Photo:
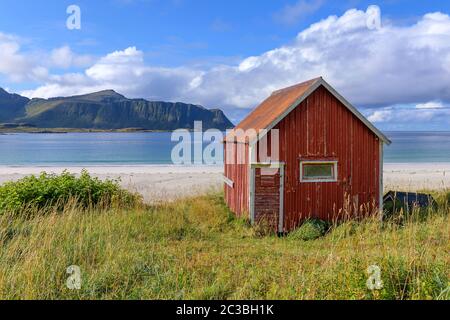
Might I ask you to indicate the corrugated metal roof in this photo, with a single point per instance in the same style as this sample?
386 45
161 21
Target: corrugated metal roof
272 108
270 112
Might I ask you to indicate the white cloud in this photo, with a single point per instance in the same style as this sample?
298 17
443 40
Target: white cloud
430 115
372 68
12 63
19 65
65 58
430 105
124 71
381 115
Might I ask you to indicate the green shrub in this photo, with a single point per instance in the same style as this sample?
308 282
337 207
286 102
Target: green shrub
310 230
50 190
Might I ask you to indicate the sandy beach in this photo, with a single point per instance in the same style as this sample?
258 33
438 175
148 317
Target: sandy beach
159 183
417 176
154 182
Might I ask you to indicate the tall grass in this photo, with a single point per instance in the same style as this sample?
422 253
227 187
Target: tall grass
196 249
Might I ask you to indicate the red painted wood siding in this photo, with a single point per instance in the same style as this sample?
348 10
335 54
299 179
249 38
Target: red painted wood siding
237 198
322 128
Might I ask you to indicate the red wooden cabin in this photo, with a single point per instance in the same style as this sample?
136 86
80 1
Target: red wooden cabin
329 154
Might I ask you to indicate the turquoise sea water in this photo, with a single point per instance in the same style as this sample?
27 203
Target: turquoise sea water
155 148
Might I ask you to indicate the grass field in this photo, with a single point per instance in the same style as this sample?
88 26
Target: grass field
195 249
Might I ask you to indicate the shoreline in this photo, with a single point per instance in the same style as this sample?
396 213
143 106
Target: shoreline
159 182
110 168
412 167
156 183
35 130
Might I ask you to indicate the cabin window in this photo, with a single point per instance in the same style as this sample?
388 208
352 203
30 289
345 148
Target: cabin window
318 171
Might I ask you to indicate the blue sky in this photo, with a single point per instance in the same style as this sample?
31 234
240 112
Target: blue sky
231 54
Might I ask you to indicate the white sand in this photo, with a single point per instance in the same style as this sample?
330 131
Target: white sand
417 176
155 183
158 183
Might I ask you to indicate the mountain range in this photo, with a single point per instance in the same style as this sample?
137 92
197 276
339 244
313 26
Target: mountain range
105 110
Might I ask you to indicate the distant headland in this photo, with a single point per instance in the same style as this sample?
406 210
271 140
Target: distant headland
102 111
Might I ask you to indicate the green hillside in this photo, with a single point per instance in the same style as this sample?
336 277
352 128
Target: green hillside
106 110
12 106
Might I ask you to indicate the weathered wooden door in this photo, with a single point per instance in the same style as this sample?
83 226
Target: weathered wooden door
267 194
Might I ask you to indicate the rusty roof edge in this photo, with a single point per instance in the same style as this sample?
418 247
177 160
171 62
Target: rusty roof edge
305 83
318 82
306 94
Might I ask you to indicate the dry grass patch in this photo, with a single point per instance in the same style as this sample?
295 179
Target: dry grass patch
196 249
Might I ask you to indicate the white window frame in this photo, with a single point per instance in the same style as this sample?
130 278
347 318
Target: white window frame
313 162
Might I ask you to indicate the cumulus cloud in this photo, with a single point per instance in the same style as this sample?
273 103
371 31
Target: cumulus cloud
12 63
371 67
378 69
65 58
19 65
124 71
381 115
